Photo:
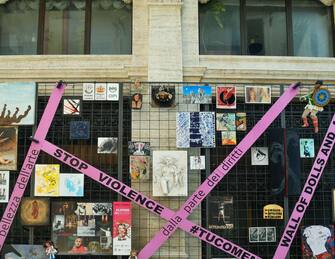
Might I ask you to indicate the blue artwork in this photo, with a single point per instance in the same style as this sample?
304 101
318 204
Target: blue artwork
306 147
195 129
197 94
71 185
79 129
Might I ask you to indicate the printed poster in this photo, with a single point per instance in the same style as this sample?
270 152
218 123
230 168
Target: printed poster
169 173
139 167
112 91
8 147
273 211
88 91
197 163
259 156
71 106
222 212
71 185
241 121
47 180
4 186
100 92
107 145
24 251
257 94
17 103
35 211
197 94
307 148
226 97
137 148
225 121
121 228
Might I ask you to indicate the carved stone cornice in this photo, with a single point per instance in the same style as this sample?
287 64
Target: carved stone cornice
165 2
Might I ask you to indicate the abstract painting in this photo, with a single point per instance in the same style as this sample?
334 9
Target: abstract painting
8 148
107 145
307 148
139 167
241 121
47 180
79 130
4 186
228 138
221 212
257 94
137 148
163 96
197 163
197 94
35 211
259 156
226 97
17 103
71 185
169 173
71 106
195 129
225 121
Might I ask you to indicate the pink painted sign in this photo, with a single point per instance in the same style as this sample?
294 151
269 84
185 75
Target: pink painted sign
307 192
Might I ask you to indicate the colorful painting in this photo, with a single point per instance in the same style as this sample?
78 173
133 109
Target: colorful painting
139 167
225 121
197 94
8 148
35 211
100 92
226 97
241 121
17 103
107 145
47 180
4 186
71 185
169 173
259 156
136 101
222 212
112 91
262 234
121 228
88 91
71 106
307 148
228 138
163 96
24 251
257 94
195 129
137 148
197 163
318 241
79 130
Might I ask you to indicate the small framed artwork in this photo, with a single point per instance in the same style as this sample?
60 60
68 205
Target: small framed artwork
8 147
136 101
306 148
259 156
228 138
257 94
71 185
226 97
241 121
139 167
262 234
35 211
100 92
137 148
88 91
107 145
4 186
112 92
163 96
225 121
79 130
197 163
197 94
71 106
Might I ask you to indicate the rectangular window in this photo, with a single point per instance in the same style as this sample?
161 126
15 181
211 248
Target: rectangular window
18 27
111 27
64 27
220 27
312 29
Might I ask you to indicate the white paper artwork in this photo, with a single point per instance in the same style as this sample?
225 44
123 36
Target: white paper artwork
259 156
169 173
88 91
4 186
197 162
112 92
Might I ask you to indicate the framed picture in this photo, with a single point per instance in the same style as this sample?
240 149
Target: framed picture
226 97
107 145
137 148
262 234
228 138
100 92
17 109
139 167
15 251
71 106
307 148
197 94
79 130
136 101
112 91
71 185
197 163
47 180
8 147
222 212
257 94
259 156
4 186
241 121
163 96
88 91
35 211
225 121
122 228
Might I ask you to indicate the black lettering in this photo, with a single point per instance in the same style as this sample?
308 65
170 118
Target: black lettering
83 166
218 241
58 153
158 209
131 194
102 177
320 161
66 156
311 181
225 246
116 185
74 162
210 237
236 251
286 241
150 205
300 208
140 199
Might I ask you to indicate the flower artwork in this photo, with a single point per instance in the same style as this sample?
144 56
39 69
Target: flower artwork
47 180
139 167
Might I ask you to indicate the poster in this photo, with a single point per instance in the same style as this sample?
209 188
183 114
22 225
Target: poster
100 92
82 228
112 91
241 121
259 156
273 211
257 94
107 145
195 129
318 241
163 96
88 91
138 148
139 167
8 147
17 103
35 211
226 97
24 251
197 94
71 185
228 138
222 212
71 106
169 173
4 186
197 163
225 121
262 234
306 148
47 180
121 228
79 130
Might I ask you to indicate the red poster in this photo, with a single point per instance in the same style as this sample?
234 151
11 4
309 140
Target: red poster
121 228
226 97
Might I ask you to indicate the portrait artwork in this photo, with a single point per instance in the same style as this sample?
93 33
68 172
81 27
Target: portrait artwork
107 145
226 97
241 121
139 167
221 212
79 130
225 121
197 94
8 147
71 185
262 234
47 180
307 148
71 106
197 163
259 156
258 94
35 211
136 101
163 96
169 173
122 228
4 186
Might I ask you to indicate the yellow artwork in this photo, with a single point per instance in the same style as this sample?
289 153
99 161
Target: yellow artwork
47 180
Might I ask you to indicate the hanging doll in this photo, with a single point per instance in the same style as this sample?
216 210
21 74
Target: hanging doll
311 108
50 249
